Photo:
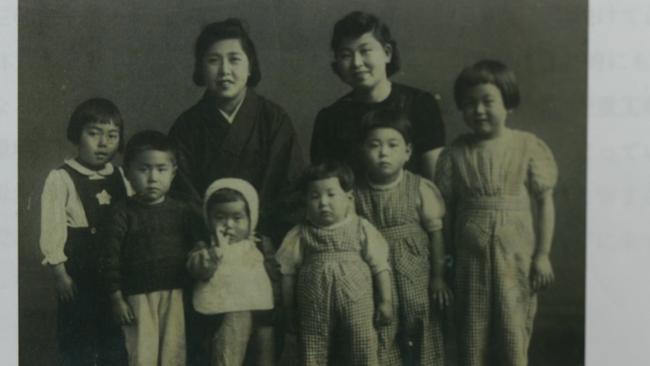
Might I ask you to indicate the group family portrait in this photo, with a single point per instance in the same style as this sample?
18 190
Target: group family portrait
273 183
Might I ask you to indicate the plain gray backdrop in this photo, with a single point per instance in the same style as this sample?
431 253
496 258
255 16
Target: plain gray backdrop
140 55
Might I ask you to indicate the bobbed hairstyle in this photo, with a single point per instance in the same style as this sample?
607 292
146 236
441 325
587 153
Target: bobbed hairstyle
226 195
148 140
488 72
231 28
95 110
325 170
358 23
386 118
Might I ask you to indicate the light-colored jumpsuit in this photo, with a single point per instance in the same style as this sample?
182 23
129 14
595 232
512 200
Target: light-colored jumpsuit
488 189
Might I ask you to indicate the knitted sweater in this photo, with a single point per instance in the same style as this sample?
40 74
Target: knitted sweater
145 246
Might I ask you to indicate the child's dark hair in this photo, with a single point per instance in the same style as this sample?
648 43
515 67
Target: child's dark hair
358 23
231 28
95 110
226 195
325 170
148 140
488 72
386 118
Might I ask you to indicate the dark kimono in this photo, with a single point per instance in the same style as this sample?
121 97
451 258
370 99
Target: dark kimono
260 146
337 128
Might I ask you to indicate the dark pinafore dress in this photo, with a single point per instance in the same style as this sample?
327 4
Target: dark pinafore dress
335 296
394 211
86 332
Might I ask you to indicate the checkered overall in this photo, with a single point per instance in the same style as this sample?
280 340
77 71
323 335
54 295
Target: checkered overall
394 212
334 295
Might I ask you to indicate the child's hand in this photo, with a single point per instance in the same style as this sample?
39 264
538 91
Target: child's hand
541 272
440 293
384 314
202 263
221 237
65 287
122 312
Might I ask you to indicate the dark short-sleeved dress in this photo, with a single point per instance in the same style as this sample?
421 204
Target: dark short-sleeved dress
487 189
337 127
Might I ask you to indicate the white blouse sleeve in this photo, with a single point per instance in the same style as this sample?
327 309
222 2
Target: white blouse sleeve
54 226
290 255
431 206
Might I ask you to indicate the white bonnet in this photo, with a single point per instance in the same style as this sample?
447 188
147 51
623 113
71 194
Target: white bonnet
241 186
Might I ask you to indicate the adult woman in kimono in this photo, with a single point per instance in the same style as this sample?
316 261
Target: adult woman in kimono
234 132
365 56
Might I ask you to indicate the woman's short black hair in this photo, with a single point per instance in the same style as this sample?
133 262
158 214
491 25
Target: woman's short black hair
95 110
386 118
226 195
358 23
488 72
231 28
148 140
325 170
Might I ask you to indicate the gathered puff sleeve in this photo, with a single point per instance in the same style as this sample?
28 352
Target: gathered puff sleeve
290 254
374 248
542 168
431 206
444 177
55 217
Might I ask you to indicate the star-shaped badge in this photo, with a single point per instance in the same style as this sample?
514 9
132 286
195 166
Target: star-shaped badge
103 197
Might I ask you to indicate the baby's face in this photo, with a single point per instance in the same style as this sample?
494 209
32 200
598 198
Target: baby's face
151 173
327 202
230 219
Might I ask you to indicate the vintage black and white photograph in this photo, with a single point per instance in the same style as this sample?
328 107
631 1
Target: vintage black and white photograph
283 182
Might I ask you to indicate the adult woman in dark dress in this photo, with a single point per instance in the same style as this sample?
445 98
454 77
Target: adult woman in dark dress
365 56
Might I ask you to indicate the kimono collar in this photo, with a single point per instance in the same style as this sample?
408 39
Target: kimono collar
212 109
91 174
384 187
231 117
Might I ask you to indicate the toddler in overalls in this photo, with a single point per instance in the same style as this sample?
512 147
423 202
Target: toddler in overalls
329 263
408 210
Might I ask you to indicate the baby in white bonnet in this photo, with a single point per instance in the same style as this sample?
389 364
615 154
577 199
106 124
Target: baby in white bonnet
233 281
